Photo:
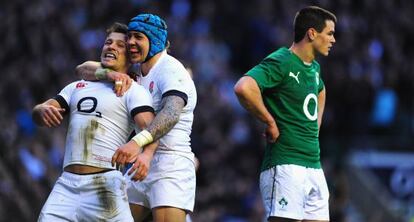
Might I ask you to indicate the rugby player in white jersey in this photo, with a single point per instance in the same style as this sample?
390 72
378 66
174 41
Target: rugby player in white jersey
90 188
169 188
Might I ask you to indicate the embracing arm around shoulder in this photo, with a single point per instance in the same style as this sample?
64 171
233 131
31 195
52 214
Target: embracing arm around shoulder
48 114
250 97
87 70
93 71
321 105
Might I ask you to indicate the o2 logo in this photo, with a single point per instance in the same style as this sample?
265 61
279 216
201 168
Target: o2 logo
88 105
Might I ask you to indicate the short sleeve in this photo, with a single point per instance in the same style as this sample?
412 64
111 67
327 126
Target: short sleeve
138 100
64 96
267 73
177 82
66 92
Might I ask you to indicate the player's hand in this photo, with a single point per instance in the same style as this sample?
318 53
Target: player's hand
127 153
141 167
271 132
50 116
122 82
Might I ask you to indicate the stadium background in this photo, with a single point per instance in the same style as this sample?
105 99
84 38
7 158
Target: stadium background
367 132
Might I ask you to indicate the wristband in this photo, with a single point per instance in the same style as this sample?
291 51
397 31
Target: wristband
143 138
100 73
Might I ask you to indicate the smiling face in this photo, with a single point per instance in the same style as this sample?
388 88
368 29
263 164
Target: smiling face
139 46
114 52
323 41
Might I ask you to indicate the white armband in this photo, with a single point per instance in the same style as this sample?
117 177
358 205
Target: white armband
143 138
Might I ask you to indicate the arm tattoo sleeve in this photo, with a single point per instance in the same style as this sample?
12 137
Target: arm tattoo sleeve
166 119
87 70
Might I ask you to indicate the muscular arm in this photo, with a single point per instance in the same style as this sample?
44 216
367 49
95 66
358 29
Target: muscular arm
166 119
321 106
131 151
163 122
251 99
143 160
143 120
87 70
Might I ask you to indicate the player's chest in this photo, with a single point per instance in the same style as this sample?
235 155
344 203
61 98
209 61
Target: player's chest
95 101
301 82
152 86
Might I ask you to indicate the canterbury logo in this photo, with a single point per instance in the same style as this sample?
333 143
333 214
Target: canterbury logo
295 77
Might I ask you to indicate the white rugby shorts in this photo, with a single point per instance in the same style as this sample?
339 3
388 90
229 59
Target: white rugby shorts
295 192
92 197
171 181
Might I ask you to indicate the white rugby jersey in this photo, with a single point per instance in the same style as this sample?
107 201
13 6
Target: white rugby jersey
169 77
99 121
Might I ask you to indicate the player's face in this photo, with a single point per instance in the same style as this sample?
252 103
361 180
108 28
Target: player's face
139 46
324 40
114 52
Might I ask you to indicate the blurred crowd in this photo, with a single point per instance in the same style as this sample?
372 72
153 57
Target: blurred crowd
368 76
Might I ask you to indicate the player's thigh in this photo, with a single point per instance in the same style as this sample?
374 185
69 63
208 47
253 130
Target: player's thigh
317 201
103 197
168 214
174 183
60 204
139 213
282 188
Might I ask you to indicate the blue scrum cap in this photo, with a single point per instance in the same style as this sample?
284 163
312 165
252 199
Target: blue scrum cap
154 28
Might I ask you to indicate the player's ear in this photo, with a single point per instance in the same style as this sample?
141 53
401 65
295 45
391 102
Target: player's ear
311 33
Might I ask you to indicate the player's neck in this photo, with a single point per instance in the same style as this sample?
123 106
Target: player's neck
303 51
122 70
146 66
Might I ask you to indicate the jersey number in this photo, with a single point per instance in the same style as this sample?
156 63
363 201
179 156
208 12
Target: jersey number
309 97
88 105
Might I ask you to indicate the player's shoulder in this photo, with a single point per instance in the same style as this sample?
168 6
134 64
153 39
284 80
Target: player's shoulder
171 67
76 84
282 55
136 87
279 57
137 91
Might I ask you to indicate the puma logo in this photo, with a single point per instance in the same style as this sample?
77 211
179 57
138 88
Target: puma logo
295 77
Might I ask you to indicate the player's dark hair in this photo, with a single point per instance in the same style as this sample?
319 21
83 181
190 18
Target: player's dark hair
311 17
117 27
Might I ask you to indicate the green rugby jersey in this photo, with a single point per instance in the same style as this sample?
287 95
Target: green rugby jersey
290 91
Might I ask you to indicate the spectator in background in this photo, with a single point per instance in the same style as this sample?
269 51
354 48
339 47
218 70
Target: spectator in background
286 92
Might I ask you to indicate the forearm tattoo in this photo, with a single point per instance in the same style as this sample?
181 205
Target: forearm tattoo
169 115
86 71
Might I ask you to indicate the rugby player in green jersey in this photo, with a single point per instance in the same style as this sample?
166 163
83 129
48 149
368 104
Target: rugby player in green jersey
286 92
